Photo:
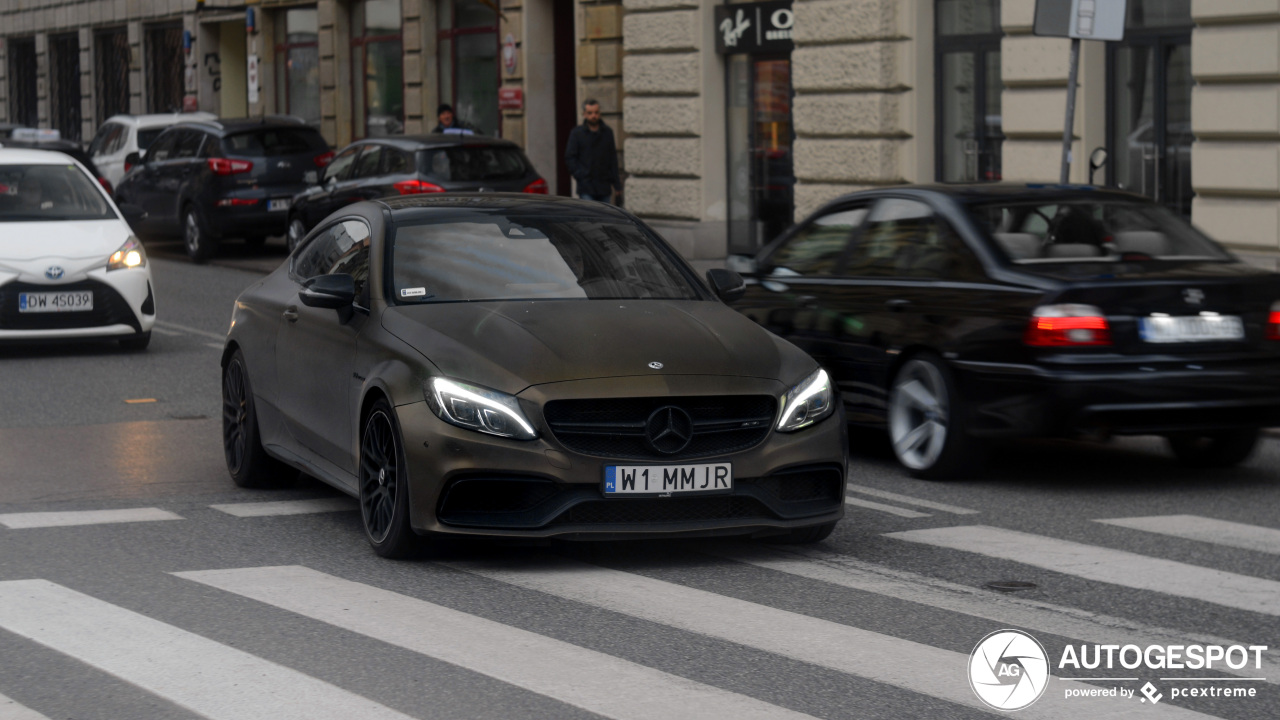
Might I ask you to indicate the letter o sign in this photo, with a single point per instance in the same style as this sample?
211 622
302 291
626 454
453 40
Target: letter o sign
782 19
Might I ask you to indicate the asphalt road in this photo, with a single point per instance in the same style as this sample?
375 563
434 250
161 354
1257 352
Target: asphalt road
174 608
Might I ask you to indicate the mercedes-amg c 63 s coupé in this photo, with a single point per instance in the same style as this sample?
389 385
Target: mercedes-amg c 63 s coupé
502 365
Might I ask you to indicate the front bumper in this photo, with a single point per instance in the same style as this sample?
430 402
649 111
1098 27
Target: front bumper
123 306
468 483
1006 400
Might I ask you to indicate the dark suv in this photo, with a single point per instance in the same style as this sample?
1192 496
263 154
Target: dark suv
413 165
223 178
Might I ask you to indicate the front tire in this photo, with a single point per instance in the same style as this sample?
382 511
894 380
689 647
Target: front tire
249 464
923 411
384 485
199 243
1224 449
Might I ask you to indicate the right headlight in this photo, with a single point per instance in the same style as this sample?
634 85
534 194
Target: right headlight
130 255
477 408
806 403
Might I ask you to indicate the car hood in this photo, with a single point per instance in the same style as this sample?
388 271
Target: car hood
509 346
27 249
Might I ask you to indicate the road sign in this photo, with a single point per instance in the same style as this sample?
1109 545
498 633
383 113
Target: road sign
1081 19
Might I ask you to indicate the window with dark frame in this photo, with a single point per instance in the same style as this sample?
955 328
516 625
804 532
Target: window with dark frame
23 109
64 95
298 63
969 131
470 74
377 64
111 63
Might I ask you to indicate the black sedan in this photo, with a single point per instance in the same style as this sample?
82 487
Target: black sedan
413 165
496 364
958 314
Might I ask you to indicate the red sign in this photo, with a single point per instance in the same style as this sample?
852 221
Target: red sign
510 98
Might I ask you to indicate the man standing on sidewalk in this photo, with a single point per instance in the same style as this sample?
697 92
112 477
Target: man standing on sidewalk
592 156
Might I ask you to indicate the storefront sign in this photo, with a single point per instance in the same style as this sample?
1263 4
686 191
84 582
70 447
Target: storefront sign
763 27
510 98
509 54
253 79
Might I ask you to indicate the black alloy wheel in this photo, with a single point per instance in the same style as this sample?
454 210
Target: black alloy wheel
249 464
195 236
1223 449
384 487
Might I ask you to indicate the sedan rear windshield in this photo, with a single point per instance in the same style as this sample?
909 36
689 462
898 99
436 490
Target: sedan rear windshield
273 142
1084 230
475 164
483 257
38 193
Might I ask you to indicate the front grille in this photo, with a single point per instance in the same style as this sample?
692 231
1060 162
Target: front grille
622 428
109 308
663 510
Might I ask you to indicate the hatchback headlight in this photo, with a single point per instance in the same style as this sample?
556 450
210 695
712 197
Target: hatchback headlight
130 255
806 403
477 408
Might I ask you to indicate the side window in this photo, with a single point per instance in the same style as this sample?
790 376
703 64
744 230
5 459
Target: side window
395 162
816 248
341 248
107 140
367 165
188 144
337 169
903 238
210 147
163 148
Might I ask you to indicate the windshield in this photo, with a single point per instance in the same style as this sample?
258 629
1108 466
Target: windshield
473 164
50 192
146 137
273 142
485 257
1083 230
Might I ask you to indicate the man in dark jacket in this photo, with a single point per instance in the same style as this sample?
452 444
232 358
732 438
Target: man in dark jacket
450 124
592 156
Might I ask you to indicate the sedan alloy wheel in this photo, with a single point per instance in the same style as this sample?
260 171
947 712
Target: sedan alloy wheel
384 501
922 411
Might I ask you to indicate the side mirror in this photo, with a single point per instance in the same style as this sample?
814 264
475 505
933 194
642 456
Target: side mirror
329 291
741 264
1097 159
132 213
134 159
726 284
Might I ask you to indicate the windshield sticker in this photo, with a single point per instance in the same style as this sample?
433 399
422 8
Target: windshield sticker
413 292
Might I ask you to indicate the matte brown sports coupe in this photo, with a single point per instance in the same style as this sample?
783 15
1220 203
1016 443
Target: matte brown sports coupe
494 364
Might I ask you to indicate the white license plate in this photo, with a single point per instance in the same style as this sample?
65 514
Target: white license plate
281 204
78 301
1193 328
310 177
667 480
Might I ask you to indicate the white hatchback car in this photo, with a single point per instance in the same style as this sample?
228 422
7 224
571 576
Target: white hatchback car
124 134
70 266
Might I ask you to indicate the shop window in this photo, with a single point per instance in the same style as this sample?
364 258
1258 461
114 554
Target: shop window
969 126
165 69
377 57
22 82
468 60
298 64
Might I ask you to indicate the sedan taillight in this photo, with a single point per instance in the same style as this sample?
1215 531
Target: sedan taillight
417 187
538 187
323 159
1273 322
1067 325
227 166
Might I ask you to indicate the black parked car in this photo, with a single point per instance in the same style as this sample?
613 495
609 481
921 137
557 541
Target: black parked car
413 165
956 314
223 178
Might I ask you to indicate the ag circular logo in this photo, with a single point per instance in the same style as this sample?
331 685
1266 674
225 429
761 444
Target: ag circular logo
1008 670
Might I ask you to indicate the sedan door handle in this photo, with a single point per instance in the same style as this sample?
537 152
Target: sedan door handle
898 304
291 313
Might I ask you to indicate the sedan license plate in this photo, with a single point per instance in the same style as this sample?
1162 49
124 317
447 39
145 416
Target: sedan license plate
78 301
667 480
278 204
1192 328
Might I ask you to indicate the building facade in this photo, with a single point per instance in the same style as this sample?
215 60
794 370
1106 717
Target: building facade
733 119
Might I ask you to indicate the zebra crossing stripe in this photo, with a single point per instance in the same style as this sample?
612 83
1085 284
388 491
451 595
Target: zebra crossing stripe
587 679
206 677
1067 622
18 521
882 658
11 710
288 507
908 500
881 507
1117 567
1210 530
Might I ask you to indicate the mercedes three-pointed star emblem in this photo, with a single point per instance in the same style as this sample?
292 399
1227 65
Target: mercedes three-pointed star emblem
668 430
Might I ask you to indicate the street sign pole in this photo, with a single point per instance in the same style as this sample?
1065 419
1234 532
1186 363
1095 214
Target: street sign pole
1069 127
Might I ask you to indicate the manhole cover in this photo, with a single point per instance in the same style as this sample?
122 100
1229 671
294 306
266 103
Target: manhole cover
1011 585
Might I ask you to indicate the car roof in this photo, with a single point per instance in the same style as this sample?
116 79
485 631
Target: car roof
227 126
409 206
995 191
160 119
26 156
419 142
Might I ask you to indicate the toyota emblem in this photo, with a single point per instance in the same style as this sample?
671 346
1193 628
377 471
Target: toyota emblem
54 273
655 365
1193 296
668 430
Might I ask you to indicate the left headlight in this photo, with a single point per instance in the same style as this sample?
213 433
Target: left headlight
130 255
806 403
477 408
